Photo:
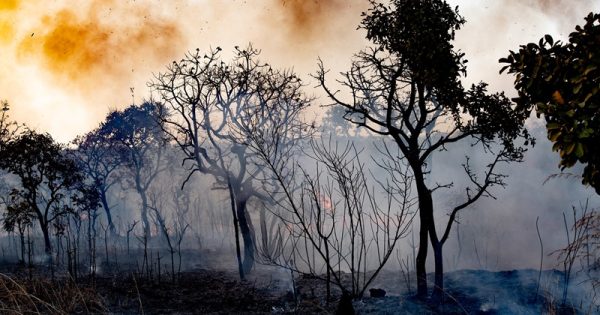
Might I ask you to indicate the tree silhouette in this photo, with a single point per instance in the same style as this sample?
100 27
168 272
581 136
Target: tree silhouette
407 87
100 158
46 176
8 128
560 81
215 109
136 133
17 217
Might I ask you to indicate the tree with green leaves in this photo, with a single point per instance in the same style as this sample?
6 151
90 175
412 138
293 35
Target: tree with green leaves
407 87
561 81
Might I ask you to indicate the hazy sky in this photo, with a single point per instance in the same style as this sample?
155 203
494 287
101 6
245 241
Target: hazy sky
64 65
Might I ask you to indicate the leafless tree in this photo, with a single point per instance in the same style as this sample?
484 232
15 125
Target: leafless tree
215 107
335 218
582 240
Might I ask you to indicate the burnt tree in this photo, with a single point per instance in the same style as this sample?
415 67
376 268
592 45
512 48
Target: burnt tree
137 134
407 87
46 175
99 158
215 106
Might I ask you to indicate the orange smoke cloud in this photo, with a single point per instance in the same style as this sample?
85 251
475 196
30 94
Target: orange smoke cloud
6 21
307 18
9 4
83 49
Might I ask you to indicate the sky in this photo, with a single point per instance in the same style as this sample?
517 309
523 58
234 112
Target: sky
65 64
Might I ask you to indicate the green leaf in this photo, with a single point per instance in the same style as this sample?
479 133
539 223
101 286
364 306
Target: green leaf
589 69
586 133
549 40
579 151
554 135
570 148
552 126
556 147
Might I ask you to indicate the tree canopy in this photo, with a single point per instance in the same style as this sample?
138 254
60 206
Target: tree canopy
408 87
561 82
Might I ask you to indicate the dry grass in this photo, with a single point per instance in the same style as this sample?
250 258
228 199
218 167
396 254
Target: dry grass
41 296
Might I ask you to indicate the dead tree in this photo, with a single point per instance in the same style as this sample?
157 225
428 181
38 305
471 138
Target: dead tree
214 108
334 219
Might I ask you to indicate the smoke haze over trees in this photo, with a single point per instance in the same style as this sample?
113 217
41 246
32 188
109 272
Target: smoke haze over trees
278 158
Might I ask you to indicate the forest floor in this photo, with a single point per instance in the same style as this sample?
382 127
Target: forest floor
269 291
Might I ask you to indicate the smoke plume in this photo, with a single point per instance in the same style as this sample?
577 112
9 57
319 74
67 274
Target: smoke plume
85 47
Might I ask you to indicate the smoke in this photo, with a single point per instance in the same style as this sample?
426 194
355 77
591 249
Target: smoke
67 63
306 19
99 45
494 27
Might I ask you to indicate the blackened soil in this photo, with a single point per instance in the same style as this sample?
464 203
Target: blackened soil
207 291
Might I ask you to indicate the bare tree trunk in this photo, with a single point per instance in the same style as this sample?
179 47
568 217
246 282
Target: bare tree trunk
22 238
232 198
144 211
426 220
247 234
438 289
144 214
104 201
47 242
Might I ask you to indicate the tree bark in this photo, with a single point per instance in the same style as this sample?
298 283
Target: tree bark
247 233
232 198
438 289
104 201
144 213
47 242
426 223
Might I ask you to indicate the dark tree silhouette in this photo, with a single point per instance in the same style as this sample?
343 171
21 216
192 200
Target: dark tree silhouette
46 176
407 87
17 217
215 107
137 133
8 128
100 158
335 212
560 81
